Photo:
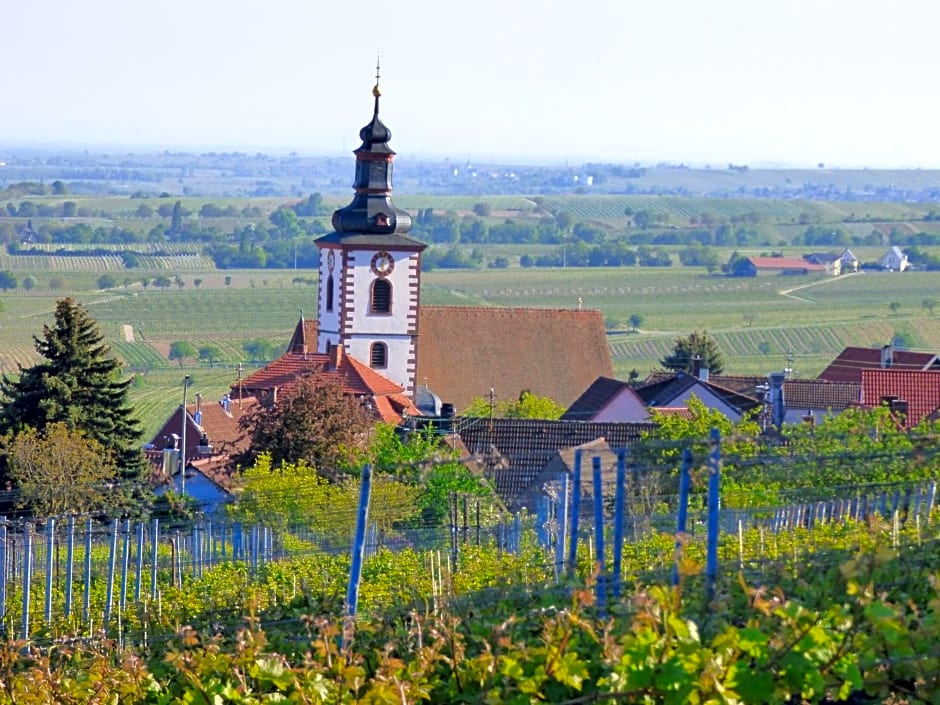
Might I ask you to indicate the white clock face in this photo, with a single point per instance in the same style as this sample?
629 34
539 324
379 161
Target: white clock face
382 264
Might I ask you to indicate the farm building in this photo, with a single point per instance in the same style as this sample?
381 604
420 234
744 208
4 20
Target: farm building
764 266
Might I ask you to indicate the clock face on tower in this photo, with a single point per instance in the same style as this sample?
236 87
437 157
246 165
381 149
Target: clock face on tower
330 260
382 264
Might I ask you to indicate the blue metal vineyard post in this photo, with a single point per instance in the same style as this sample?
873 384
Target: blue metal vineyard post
619 499
27 578
355 570
86 597
125 565
683 512
714 508
601 585
140 562
575 512
562 526
112 563
50 568
3 576
153 559
69 565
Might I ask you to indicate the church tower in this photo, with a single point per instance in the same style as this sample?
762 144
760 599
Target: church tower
370 270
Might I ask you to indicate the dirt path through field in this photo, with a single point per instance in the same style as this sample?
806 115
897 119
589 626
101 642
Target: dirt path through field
789 292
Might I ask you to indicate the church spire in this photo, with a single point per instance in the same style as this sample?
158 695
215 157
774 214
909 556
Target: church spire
371 210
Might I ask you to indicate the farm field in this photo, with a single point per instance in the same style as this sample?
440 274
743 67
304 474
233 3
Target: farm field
803 320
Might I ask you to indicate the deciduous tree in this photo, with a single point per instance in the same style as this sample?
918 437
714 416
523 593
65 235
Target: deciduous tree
182 349
313 421
58 471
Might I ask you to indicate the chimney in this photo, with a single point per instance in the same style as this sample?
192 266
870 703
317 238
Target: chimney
336 355
447 418
697 365
887 356
197 417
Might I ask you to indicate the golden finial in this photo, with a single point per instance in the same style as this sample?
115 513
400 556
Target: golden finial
377 91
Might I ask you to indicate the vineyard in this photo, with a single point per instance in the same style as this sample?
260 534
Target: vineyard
820 607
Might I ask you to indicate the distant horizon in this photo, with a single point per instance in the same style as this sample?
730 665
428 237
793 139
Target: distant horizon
111 149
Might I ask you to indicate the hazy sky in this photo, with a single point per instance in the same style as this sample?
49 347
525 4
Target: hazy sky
845 82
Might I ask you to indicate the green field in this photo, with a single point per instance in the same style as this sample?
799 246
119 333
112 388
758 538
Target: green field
811 318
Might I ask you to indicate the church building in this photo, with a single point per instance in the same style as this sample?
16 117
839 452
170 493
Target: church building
370 270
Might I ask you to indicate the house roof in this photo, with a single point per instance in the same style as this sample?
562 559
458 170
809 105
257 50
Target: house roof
921 391
304 338
562 463
848 364
668 387
221 429
785 263
516 450
465 351
797 393
820 394
357 379
601 392
822 257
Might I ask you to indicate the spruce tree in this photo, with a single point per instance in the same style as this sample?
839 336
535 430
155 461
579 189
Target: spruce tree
685 350
79 384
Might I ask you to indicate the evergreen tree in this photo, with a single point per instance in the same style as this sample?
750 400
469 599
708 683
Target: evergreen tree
79 385
685 350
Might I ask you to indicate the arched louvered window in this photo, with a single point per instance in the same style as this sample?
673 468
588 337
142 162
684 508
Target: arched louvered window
381 296
329 293
378 356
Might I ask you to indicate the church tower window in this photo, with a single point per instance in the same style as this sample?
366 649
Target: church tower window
329 293
381 296
378 356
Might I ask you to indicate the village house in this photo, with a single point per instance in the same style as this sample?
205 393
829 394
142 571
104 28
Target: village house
894 260
848 364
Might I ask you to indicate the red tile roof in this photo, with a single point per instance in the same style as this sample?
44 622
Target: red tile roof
786 263
820 394
355 377
848 365
221 430
921 391
464 351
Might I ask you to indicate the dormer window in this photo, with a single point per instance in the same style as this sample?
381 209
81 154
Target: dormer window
381 296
